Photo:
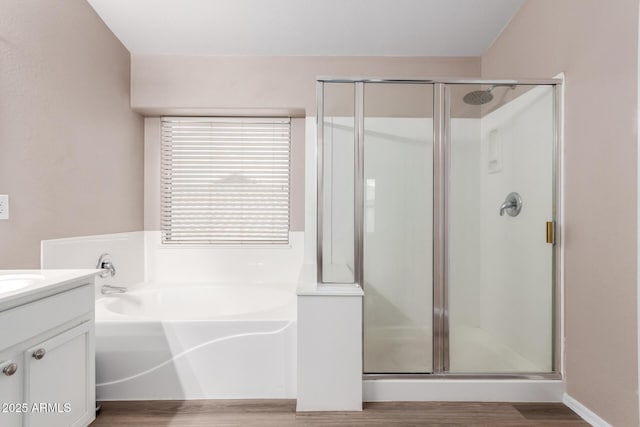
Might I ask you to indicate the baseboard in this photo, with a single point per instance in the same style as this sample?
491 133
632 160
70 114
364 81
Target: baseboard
584 412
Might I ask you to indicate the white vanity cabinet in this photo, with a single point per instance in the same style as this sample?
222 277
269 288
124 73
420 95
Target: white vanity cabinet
47 360
57 372
11 389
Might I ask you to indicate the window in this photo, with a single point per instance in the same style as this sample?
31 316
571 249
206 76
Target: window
225 180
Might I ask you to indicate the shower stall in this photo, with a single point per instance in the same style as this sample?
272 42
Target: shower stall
439 198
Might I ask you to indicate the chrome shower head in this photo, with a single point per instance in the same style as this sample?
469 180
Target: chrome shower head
478 97
481 97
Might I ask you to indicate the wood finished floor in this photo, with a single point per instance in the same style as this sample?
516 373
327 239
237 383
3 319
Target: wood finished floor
281 413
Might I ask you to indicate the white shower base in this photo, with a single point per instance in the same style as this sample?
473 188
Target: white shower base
475 352
458 390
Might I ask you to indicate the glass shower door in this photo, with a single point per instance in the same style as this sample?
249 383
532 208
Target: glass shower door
397 230
500 200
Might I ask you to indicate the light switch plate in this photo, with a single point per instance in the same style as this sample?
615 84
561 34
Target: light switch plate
4 206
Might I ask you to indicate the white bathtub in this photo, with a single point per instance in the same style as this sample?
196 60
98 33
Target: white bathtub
196 342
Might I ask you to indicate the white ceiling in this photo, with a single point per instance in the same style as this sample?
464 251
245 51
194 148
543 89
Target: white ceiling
307 27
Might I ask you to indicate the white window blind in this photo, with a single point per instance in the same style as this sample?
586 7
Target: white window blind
225 180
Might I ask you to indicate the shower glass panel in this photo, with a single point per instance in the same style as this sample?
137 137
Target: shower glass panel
337 191
397 229
500 267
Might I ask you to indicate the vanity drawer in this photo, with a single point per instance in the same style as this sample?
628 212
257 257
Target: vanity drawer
34 318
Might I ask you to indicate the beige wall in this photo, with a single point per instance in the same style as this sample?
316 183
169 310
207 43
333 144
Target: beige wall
228 85
70 147
595 44
256 85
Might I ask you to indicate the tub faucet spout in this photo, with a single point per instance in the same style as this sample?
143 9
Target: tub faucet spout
110 289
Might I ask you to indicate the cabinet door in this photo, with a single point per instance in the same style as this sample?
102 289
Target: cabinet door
59 379
11 390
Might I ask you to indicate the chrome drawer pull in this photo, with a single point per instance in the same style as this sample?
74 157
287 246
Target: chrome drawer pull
39 353
10 369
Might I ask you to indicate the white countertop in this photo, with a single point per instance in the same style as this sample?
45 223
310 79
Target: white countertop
51 282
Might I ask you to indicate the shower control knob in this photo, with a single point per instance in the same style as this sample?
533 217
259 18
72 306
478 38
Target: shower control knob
10 369
512 205
39 353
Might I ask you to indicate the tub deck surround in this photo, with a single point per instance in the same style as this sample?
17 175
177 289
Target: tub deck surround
196 341
324 290
276 265
307 285
43 282
329 345
126 252
199 301
141 257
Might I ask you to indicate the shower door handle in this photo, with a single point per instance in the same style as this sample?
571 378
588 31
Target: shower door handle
551 232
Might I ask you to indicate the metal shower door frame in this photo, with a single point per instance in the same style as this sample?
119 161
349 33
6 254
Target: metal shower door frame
441 162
